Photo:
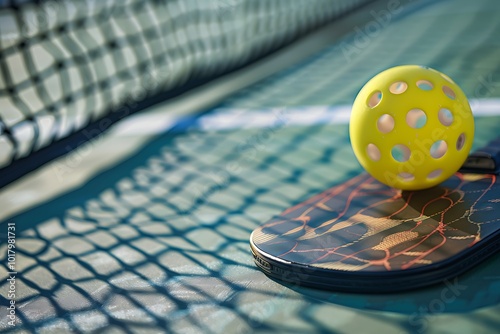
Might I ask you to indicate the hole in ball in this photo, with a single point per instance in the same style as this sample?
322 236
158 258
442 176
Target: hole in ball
385 123
445 117
461 142
438 149
425 85
373 152
400 153
398 87
449 92
416 118
434 174
406 177
374 99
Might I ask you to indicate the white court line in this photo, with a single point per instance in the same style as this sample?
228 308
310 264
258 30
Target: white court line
233 119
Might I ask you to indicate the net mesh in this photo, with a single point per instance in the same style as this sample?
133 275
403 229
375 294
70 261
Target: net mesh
64 64
160 242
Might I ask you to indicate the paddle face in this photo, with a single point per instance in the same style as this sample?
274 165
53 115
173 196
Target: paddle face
367 237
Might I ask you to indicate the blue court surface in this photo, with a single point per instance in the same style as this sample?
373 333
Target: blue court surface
145 228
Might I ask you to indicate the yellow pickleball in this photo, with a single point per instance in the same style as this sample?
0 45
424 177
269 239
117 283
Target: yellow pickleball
411 127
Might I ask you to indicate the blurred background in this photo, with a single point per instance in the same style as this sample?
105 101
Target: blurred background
141 142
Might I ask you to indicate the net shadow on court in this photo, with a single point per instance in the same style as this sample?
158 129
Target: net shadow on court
161 239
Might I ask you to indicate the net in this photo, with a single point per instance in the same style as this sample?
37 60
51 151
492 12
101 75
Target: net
160 242
66 64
